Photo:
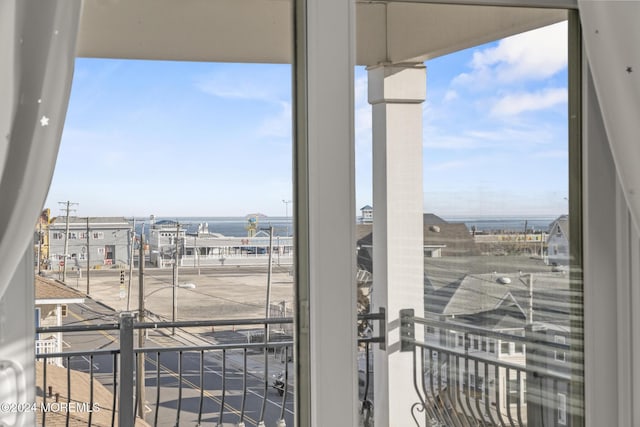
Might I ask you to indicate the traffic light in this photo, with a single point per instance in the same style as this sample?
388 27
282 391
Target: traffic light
122 277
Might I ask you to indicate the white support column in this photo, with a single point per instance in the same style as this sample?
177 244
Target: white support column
324 209
396 93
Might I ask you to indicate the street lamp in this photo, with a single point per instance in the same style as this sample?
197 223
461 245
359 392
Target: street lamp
181 286
174 311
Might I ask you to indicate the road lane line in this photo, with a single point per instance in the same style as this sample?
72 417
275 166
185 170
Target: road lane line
204 393
278 405
78 317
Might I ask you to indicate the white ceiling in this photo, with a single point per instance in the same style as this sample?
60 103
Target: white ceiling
261 30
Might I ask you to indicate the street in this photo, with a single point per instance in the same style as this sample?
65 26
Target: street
169 388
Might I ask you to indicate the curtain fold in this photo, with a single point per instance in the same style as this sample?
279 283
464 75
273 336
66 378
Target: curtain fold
37 53
611 34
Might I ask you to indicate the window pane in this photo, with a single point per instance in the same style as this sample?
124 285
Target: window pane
496 226
179 180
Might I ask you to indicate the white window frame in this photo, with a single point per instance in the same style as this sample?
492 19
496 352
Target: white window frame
562 409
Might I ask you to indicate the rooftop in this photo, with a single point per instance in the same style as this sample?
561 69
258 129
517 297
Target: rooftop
47 289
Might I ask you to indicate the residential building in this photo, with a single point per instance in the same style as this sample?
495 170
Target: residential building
101 242
52 300
558 242
165 237
324 39
366 215
441 239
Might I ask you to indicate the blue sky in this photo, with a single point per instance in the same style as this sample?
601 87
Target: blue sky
204 139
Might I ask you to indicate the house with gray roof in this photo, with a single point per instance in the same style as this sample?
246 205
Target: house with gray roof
366 216
441 239
558 241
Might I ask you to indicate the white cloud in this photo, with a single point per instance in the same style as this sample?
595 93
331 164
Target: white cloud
223 87
533 55
279 125
451 95
435 139
514 104
453 164
246 82
552 154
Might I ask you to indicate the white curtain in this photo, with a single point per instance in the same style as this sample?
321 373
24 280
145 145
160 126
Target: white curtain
611 33
37 52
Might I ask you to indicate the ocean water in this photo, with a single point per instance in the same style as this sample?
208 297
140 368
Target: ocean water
237 226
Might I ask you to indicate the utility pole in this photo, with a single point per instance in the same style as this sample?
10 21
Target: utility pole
176 258
67 209
88 255
132 236
140 380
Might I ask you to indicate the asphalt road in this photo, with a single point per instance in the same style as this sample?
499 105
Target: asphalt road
173 383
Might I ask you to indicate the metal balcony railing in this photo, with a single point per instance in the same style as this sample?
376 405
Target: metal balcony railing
239 387
221 383
457 386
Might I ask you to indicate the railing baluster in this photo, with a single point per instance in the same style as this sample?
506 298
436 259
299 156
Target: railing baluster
467 386
433 395
44 389
420 369
366 405
366 373
286 383
155 417
266 380
179 387
201 387
115 389
460 390
125 414
90 388
224 385
476 369
448 404
519 379
508 396
452 389
498 402
487 394
68 389
244 387
135 397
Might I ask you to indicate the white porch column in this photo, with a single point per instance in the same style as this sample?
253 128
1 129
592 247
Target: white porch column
324 209
396 93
